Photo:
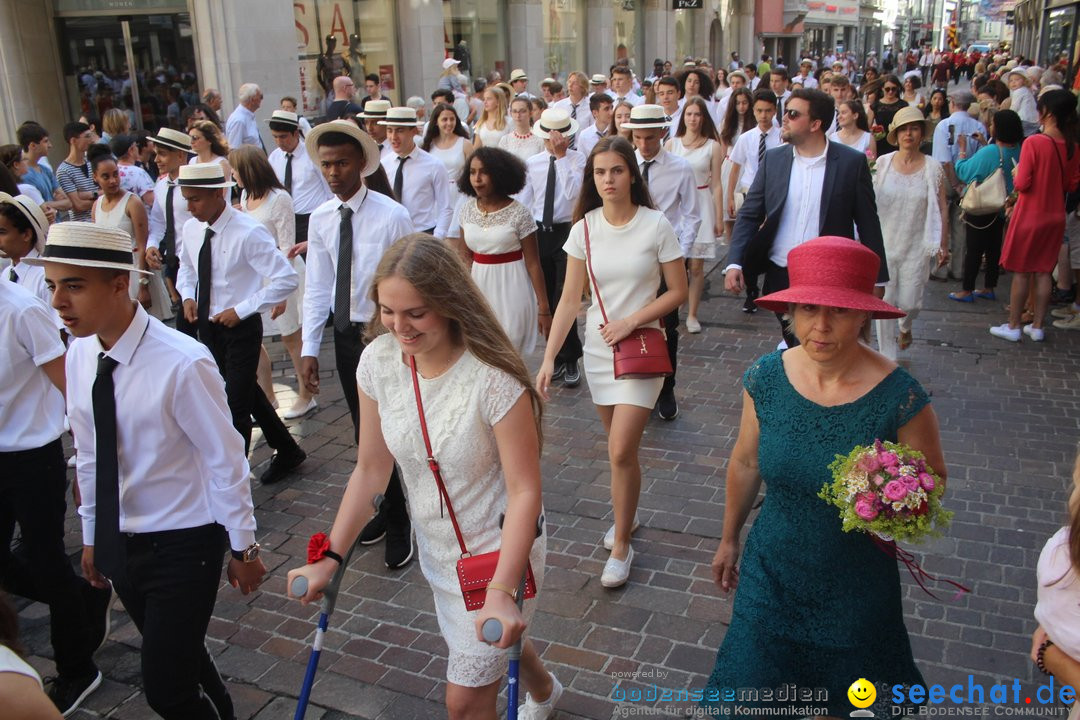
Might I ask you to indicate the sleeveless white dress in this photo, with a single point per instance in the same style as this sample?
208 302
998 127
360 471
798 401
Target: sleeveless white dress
700 160
626 262
490 136
461 408
276 213
454 160
862 144
523 147
160 302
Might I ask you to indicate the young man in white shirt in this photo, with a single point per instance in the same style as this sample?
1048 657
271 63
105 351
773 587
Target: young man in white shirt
33 483
149 415
668 96
230 271
296 171
374 112
622 86
418 178
577 102
339 277
804 77
778 83
670 180
601 107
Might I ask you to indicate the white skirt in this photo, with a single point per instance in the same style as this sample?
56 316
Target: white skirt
289 321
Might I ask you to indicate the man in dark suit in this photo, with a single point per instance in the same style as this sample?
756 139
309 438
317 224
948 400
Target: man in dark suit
805 189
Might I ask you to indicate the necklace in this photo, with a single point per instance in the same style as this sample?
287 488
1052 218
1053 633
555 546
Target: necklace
485 212
454 355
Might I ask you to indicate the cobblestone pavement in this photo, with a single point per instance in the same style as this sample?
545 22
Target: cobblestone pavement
1009 423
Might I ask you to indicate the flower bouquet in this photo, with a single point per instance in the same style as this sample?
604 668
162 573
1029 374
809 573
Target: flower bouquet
878 132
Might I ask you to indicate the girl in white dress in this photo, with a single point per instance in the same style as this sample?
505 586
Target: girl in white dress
520 141
496 235
265 199
209 145
115 209
853 129
697 141
738 118
448 140
484 422
492 124
632 247
910 190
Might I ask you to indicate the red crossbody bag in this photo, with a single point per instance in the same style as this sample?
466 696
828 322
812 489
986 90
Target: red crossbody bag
474 571
641 354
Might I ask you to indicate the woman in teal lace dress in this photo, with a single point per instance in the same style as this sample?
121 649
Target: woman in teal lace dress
815 606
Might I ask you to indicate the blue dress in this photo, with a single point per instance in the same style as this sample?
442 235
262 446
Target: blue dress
815 606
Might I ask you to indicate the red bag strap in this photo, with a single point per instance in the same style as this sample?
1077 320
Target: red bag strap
431 461
588 264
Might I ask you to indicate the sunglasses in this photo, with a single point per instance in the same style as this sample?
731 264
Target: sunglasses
891 88
793 114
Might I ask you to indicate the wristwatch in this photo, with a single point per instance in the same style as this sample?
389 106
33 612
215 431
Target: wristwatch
248 554
144 281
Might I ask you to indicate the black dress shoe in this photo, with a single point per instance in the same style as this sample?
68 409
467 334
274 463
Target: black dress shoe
68 693
572 376
667 406
374 531
282 465
399 544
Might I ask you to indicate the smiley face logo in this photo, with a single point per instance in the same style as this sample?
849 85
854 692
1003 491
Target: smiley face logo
862 693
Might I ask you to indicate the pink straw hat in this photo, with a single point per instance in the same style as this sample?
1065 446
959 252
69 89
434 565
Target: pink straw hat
832 271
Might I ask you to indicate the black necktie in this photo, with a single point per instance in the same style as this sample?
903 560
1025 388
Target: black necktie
549 195
203 292
399 178
761 150
288 173
645 170
168 243
108 553
12 276
343 282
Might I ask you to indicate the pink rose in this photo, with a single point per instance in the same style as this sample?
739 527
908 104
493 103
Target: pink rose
911 483
870 497
888 459
927 482
895 490
878 480
869 463
866 510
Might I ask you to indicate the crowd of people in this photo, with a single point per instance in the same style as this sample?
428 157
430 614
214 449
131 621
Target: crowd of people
445 244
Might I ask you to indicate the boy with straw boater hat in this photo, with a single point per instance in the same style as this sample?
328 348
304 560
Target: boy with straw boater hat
169 213
161 470
419 178
295 169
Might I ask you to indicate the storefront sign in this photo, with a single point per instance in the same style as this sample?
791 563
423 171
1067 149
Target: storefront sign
688 4
844 12
92 6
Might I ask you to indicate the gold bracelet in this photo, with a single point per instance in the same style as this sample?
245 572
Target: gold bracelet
503 588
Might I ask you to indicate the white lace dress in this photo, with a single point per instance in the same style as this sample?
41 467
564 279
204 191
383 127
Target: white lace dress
506 286
461 406
523 146
276 213
700 160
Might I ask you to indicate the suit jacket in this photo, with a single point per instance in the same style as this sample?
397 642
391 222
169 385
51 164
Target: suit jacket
847 203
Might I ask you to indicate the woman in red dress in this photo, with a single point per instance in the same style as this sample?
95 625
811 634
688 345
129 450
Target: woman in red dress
1049 168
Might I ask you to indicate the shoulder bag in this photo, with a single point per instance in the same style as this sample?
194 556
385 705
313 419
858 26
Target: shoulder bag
643 353
474 571
986 197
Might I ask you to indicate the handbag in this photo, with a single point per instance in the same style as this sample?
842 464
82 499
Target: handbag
643 353
986 197
474 572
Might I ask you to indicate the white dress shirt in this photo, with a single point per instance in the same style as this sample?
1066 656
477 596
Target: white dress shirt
800 219
182 463
242 129
377 223
243 256
584 115
425 190
157 213
674 191
809 82
31 408
588 138
31 278
309 188
631 98
745 153
569 173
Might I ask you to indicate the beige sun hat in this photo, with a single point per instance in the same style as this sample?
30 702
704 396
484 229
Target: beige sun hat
375 110
598 79
905 116
173 139
518 74
88 245
346 127
647 116
204 175
555 119
401 117
33 213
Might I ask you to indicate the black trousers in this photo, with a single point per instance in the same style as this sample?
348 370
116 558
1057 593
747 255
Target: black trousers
553 265
302 222
236 351
32 486
983 241
169 586
671 333
776 278
348 346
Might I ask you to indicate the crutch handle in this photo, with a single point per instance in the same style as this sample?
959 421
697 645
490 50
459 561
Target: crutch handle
491 630
299 586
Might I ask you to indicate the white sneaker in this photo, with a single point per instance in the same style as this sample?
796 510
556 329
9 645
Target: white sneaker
300 409
1036 334
1071 323
617 572
1005 332
609 536
533 710
693 326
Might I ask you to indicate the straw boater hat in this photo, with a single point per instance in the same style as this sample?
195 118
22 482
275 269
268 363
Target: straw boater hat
643 117
598 79
284 117
88 245
738 73
346 127
401 117
547 81
203 175
173 139
905 116
554 119
32 212
835 272
518 74
374 110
